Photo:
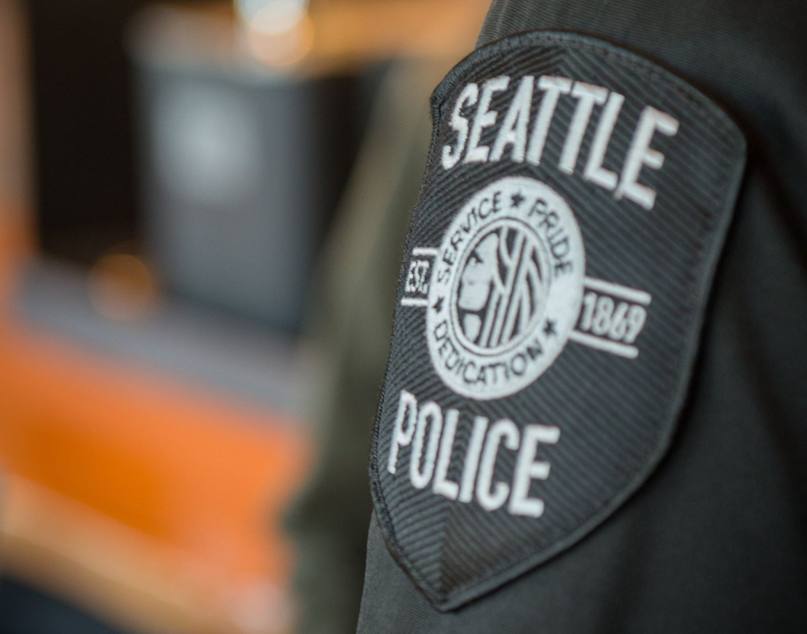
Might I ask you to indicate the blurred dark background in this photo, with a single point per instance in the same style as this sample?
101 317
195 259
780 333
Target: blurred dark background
169 174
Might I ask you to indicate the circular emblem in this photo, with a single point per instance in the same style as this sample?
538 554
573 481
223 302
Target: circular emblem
506 289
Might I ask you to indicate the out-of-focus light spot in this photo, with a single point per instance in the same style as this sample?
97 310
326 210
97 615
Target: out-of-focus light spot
264 608
280 33
122 287
205 144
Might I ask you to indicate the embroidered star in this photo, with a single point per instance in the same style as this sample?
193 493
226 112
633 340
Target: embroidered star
438 305
517 199
549 328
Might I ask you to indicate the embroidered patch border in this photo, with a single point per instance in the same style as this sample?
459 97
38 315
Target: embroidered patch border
532 387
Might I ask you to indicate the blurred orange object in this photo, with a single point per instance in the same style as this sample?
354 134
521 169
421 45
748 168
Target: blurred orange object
147 501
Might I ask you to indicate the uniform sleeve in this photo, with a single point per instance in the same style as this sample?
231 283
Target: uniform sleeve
712 540
350 330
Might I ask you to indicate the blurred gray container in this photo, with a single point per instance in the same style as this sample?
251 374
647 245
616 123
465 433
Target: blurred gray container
242 169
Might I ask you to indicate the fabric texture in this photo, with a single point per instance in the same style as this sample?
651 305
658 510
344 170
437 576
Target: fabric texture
582 271
714 540
349 328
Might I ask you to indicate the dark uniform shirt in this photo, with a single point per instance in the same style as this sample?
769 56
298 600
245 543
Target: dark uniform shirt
694 476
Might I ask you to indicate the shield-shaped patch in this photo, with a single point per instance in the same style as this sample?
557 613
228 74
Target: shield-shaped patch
556 276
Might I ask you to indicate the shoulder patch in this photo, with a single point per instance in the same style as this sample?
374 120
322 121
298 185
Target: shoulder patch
557 272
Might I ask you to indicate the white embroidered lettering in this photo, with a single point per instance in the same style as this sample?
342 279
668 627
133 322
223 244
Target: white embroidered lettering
484 118
472 458
552 88
442 485
641 154
526 139
459 124
432 434
422 475
587 96
594 171
514 129
404 427
529 469
490 495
